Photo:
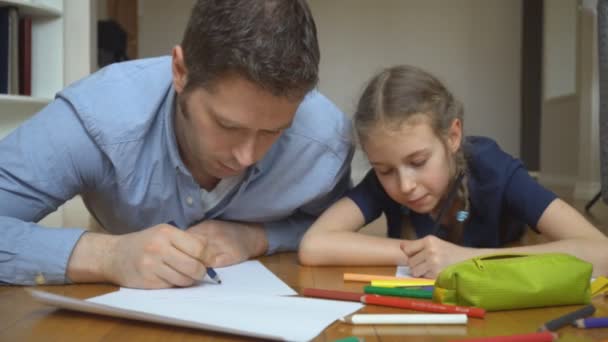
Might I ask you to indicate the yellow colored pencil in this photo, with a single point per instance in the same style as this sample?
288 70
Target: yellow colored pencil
369 277
403 282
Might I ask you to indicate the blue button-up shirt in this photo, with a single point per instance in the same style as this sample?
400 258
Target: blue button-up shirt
110 138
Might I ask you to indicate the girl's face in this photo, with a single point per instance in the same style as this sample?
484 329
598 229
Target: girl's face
412 163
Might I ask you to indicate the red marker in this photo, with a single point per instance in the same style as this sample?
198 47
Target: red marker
546 336
404 303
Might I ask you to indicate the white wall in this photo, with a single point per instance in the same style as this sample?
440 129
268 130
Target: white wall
559 138
473 45
587 183
559 74
161 25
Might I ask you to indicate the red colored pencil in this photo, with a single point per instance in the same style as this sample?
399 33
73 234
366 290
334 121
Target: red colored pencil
422 305
546 336
404 303
332 294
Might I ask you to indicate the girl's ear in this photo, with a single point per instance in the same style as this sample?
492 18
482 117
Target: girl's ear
455 135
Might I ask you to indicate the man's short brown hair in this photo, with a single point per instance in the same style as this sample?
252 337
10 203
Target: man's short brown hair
272 43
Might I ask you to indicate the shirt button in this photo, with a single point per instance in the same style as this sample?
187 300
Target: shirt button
40 280
189 200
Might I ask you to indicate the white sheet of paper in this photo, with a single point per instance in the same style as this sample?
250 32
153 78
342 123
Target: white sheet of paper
403 272
250 301
250 277
266 316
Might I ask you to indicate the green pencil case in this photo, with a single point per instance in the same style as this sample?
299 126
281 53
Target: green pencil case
515 281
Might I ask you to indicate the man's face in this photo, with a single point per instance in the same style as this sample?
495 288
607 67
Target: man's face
223 130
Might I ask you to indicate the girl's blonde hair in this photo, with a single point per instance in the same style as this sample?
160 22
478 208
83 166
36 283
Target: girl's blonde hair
398 93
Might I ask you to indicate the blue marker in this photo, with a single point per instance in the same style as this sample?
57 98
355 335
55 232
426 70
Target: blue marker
210 271
592 322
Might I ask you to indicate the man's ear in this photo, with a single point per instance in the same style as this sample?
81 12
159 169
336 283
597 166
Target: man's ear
178 67
455 135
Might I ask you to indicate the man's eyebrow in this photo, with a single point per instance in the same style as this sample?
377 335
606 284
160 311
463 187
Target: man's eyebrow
218 117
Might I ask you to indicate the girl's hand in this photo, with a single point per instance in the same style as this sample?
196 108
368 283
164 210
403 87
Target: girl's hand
429 255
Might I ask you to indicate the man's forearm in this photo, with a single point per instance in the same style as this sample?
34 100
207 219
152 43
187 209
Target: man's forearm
89 257
31 254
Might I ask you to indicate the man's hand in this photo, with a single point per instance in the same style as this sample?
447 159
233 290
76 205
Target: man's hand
158 257
230 242
429 255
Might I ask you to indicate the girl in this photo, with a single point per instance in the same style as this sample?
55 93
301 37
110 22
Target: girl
459 197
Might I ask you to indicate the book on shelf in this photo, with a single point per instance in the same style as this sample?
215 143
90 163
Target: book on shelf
25 56
15 52
4 49
13 46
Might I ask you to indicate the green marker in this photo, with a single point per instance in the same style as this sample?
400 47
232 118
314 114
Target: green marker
399 292
351 339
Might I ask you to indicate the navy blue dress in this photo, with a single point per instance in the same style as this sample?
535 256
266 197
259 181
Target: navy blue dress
503 197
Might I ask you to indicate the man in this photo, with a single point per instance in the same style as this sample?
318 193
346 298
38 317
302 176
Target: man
227 139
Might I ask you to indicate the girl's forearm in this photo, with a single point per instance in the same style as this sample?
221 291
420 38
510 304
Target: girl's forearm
350 248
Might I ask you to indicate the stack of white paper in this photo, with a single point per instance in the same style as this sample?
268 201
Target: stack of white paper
250 301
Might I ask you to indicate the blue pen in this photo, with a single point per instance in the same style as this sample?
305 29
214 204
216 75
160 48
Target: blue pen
213 275
210 271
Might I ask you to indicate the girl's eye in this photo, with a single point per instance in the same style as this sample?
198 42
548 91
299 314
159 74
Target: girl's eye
418 163
384 172
227 127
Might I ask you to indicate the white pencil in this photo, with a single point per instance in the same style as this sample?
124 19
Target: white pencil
405 319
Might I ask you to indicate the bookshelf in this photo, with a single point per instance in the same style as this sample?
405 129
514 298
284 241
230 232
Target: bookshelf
63 50
47 61
34 8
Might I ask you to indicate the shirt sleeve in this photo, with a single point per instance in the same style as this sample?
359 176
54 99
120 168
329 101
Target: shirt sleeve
286 234
525 198
45 162
369 196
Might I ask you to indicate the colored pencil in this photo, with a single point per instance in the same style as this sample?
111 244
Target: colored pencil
568 318
351 339
592 322
403 282
599 285
333 294
405 319
403 303
369 277
422 305
399 292
533 337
